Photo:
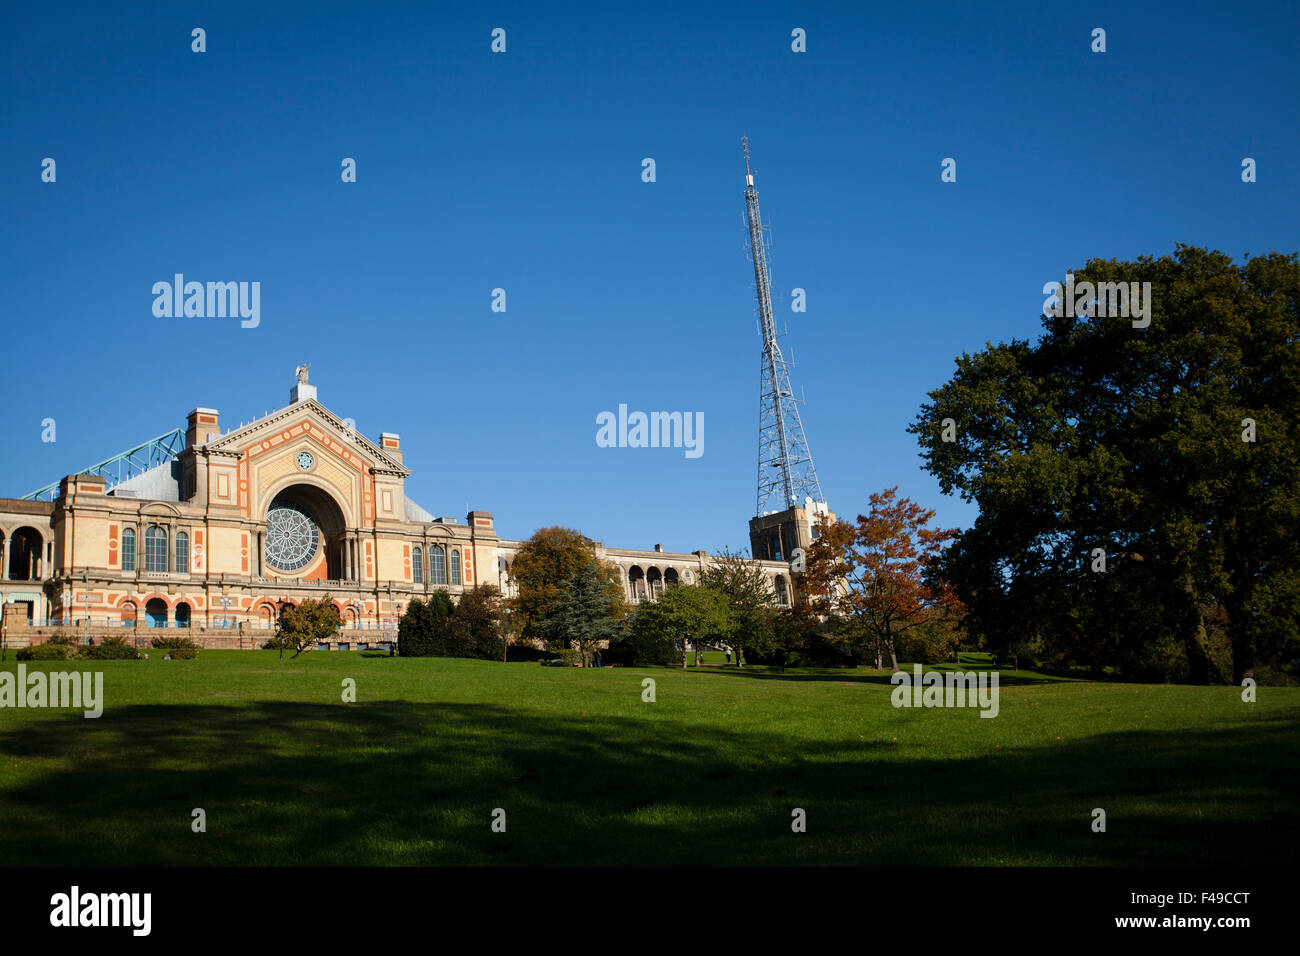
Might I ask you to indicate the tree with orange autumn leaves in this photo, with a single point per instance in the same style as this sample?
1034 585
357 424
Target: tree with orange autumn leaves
877 573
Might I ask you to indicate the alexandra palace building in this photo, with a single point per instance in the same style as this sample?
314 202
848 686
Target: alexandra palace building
222 535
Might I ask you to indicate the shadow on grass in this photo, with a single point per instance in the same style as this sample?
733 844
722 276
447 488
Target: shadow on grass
860 675
401 783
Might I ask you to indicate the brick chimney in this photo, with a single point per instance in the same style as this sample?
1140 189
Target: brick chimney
201 427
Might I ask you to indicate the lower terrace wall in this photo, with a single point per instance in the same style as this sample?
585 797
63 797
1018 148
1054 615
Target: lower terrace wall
244 637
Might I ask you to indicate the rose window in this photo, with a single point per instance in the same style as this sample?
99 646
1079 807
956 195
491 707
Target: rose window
291 538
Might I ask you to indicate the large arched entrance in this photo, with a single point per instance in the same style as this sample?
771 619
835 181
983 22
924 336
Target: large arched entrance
304 534
155 613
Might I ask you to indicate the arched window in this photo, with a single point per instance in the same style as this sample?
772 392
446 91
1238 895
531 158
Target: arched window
455 566
437 565
128 549
417 565
182 551
155 549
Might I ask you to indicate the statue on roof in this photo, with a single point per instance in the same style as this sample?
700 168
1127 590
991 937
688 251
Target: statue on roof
301 372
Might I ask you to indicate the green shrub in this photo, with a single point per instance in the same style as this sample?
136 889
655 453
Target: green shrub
928 643
48 652
172 643
568 655
799 639
64 639
618 653
180 648
639 645
112 649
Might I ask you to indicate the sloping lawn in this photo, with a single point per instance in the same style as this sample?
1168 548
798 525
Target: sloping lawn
588 773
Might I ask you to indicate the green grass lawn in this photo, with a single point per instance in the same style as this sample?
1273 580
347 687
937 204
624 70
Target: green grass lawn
589 774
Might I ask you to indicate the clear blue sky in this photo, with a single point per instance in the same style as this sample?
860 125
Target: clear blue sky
523 171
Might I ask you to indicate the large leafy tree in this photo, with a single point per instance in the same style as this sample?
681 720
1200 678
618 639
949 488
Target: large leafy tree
583 613
689 614
545 565
877 572
1121 512
306 624
751 599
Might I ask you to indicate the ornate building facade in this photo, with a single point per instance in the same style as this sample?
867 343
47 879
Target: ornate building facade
291 506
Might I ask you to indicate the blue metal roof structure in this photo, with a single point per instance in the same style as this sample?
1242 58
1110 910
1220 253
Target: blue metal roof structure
127 464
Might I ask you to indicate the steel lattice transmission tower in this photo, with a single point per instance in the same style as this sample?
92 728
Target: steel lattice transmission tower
785 465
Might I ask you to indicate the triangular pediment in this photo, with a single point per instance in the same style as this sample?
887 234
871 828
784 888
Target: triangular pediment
309 410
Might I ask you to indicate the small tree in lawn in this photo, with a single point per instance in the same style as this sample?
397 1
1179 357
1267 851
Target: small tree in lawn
583 613
307 624
875 571
686 613
751 598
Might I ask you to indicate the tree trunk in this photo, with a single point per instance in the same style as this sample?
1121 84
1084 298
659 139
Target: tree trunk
1243 647
1198 661
1240 635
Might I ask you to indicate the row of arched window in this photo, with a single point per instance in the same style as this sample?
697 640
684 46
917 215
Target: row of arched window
437 565
650 584
155 556
155 549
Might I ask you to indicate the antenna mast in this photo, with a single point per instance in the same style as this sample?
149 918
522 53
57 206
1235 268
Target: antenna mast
785 465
